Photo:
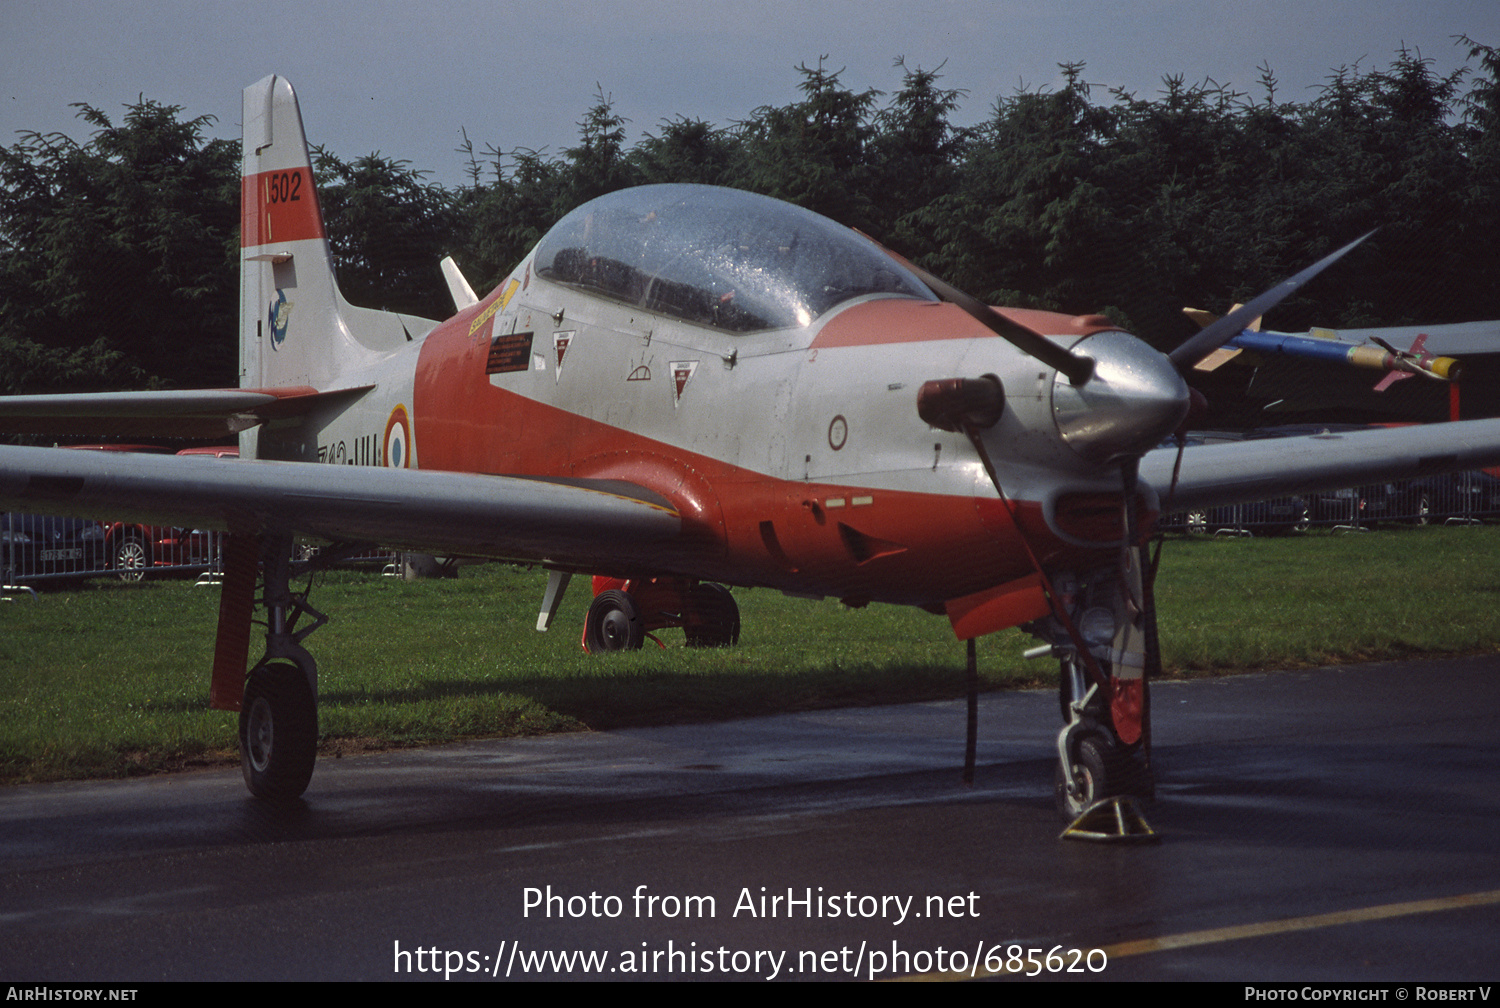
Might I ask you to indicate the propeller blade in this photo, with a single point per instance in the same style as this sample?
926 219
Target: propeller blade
1216 334
1030 342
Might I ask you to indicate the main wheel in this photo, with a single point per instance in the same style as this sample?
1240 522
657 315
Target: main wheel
1097 775
278 731
713 617
613 623
132 559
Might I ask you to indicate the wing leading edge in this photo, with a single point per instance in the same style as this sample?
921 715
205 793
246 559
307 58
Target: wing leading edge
565 523
1246 471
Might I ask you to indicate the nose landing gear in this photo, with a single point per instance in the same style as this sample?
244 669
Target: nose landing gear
1098 780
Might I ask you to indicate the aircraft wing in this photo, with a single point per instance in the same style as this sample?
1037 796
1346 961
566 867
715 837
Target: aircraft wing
564 522
1244 471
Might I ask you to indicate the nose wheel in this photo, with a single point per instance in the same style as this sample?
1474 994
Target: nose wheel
1092 767
1097 789
1091 775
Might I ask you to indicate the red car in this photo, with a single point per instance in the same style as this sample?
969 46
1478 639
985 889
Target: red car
132 549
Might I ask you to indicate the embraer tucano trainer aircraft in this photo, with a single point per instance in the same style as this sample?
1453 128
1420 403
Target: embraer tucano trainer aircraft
683 386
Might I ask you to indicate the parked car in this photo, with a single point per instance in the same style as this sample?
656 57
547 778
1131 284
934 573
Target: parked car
214 452
1277 516
1336 507
1472 495
132 550
1405 502
1325 507
43 547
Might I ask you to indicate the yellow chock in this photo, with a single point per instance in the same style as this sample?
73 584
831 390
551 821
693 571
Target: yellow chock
1116 819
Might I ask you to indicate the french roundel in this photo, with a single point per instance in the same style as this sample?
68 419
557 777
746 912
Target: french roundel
397 451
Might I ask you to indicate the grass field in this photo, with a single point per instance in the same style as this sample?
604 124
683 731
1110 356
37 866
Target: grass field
107 679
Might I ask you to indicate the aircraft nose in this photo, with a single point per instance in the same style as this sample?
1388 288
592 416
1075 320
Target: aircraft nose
1134 398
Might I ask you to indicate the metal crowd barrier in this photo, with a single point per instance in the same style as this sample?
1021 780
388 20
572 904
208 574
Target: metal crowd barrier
1459 498
36 549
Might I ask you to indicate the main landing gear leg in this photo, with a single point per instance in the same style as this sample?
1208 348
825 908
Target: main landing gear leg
279 712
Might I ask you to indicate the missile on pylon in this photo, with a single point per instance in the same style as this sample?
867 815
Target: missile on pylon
1325 344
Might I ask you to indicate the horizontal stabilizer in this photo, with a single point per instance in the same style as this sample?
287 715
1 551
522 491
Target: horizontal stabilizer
196 413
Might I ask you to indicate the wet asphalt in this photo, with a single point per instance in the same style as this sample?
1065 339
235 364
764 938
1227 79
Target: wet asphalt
1316 826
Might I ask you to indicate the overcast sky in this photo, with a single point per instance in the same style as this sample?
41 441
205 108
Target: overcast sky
404 79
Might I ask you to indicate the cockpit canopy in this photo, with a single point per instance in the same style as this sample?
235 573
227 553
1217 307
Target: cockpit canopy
719 257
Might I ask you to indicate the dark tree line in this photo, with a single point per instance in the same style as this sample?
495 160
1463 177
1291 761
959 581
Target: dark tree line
118 255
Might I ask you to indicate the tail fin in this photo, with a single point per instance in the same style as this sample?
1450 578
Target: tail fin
295 326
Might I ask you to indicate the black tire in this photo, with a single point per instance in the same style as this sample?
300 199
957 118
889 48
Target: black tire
613 624
713 617
278 732
1098 776
132 558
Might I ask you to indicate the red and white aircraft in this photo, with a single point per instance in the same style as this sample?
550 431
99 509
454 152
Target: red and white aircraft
680 386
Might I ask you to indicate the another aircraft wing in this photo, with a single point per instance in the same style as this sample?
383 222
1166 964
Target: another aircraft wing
1244 471
563 522
1456 339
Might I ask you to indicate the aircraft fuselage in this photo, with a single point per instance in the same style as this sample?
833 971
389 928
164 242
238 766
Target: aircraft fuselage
795 456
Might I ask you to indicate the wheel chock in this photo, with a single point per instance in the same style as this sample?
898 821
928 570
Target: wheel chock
1116 819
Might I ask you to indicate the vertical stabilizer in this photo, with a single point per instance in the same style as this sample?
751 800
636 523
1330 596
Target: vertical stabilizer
295 326
290 323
